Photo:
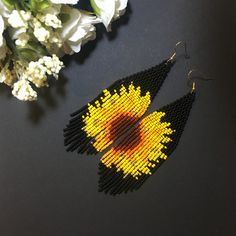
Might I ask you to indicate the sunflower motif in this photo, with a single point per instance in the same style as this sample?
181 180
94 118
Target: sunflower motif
113 114
140 151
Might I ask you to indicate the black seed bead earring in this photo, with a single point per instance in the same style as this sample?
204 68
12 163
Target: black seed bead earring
132 160
94 127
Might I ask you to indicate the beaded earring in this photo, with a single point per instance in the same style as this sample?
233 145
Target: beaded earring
100 123
132 160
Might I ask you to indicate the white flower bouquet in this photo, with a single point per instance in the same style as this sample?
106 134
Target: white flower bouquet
35 34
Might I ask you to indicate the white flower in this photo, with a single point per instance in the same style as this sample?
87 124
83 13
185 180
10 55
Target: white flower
64 1
121 6
41 33
23 91
109 10
53 31
18 19
50 20
53 65
37 71
78 30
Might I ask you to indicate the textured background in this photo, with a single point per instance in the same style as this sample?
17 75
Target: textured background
46 191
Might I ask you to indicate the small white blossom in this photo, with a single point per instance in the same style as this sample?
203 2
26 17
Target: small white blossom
40 32
53 65
23 91
19 19
37 71
50 20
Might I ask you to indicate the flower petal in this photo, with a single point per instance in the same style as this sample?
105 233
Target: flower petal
107 11
1 30
69 27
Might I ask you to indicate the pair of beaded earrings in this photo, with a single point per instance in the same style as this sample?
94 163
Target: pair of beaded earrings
114 120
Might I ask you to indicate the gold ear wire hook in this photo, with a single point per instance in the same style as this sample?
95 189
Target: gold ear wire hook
173 56
200 77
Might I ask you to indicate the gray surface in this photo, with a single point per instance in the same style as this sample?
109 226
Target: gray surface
46 191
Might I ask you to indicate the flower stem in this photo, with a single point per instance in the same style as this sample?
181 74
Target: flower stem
95 7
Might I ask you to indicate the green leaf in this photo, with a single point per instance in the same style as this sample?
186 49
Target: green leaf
39 5
10 4
43 5
37 48
64 17
33 4
27 54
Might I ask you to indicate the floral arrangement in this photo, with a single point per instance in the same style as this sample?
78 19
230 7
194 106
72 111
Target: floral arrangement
35 34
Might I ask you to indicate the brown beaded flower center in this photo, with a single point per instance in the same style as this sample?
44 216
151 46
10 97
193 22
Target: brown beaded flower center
121 124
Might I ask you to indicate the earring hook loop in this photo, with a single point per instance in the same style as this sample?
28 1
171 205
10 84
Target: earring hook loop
199 76
173 56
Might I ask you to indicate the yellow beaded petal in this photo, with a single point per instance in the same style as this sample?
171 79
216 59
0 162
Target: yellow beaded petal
101 117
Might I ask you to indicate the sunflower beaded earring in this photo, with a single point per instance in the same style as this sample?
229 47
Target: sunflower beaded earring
132 160
96 126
